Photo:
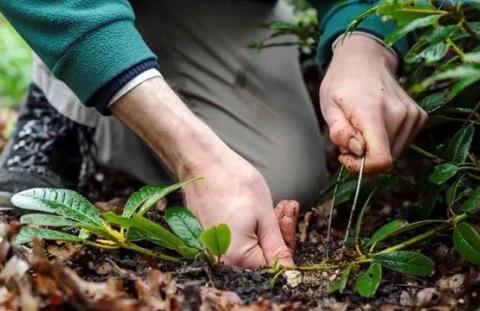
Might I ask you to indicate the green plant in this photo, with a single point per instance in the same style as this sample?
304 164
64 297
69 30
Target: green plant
85 224
441 71
15 66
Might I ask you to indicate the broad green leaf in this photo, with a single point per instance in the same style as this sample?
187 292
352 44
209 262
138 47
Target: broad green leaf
400 227
473 57
188 252
161 235
443 172
439 34
462 84
466 241
458 149
472 205
27 234
185 225
385 230
413 25
458 72
345 191
142 200
431 55
217 239
47 220
434 101
62 202
134 235
367 284
340 282
407 262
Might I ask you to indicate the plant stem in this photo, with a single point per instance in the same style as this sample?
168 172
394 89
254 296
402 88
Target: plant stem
319 267
455 47
466 26
100 245
148 252
425 153
423 236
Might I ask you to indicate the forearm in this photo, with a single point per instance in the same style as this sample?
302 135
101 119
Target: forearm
155 113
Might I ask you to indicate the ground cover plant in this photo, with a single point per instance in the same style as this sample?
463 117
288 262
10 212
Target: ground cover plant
63 208
441 72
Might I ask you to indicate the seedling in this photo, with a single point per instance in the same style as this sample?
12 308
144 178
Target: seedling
83 223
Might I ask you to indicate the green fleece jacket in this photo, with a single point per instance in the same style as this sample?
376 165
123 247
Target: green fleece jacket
93 46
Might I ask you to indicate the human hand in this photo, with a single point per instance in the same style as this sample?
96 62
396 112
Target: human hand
232 191
235 193
366 109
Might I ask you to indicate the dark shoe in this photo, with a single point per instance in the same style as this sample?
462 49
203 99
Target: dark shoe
46 150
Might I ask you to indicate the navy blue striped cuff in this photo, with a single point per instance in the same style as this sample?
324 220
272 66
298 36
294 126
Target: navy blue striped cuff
102 97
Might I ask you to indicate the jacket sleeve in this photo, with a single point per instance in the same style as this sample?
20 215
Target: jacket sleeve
334 18
91 45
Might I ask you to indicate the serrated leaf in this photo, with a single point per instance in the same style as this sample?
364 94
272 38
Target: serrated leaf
443 172
338 285
369 281
413 25
27 234
47 220
142 200
434 101
472 205
458 149
185 225
217 239
62 202
466 241
407 262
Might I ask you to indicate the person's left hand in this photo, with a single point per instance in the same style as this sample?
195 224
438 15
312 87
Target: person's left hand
365 107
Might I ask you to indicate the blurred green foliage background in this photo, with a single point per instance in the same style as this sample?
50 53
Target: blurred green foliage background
15 66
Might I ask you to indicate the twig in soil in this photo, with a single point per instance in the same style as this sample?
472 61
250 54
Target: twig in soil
355 199
332 206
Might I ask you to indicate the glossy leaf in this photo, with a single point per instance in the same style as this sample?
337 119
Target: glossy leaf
443 172
62 202
385 230
161 235
434 101
142 200
430 55
339 284
466 241
369 281
47 220
27 234
407 262
185 225
472 205
413 25
457 151
217 239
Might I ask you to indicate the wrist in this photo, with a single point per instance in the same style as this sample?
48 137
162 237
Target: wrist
359 45
182 141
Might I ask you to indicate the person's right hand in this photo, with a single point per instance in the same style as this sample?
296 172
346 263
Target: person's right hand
235 193
365 107
232 191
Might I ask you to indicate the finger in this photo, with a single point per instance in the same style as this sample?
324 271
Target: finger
396 115
287 217
378 157
341 130
407 130
271 241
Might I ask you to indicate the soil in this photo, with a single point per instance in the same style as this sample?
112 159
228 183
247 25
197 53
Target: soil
63 276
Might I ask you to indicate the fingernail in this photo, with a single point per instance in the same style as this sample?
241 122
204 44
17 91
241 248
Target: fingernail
356 147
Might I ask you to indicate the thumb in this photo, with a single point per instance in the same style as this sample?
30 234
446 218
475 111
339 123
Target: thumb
342 133
272 243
